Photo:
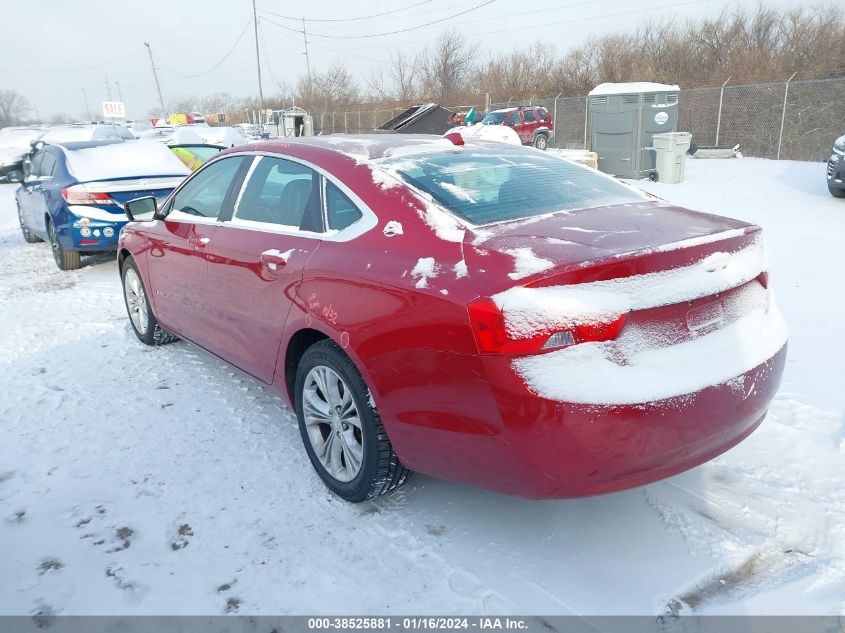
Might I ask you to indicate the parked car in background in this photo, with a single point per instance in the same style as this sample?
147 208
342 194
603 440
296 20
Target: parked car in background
15 146
72 194
222 135
249 131
81 133
193 155
836 169
533 124
474 311
187 142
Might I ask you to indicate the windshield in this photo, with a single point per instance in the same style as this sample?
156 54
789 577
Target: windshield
494 118
19 139
485 186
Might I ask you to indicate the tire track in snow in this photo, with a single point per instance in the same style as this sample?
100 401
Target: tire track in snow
770 528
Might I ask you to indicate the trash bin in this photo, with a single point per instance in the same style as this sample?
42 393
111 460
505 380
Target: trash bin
670 151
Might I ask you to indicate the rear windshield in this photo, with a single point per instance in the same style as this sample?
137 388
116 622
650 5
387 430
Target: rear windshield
485 186
137 159
494 118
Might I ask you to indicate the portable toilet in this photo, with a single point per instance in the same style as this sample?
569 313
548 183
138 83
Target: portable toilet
623 118
290 122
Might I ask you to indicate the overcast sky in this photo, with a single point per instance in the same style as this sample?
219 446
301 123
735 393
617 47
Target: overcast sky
53 49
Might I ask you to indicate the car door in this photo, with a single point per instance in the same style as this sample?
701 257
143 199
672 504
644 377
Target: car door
177 260
30 193
529 126
257 258
514 121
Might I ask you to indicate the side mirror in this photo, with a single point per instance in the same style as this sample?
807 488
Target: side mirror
15 176
141 209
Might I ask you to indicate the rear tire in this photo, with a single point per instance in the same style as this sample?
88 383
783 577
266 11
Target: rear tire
138 307
836 193
356 461
65 260
29 236
541 141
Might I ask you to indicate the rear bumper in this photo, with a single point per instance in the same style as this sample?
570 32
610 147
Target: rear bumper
576 449
496 434
93 229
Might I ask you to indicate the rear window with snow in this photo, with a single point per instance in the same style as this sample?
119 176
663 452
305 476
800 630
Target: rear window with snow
485 186
134 159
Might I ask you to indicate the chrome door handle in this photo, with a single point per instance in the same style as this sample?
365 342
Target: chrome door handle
273 259
198 243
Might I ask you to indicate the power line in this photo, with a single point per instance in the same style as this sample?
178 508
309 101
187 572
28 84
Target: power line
411 28
345 51
363 17
217 65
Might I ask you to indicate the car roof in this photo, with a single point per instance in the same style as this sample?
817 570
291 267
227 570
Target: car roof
72 146
367 147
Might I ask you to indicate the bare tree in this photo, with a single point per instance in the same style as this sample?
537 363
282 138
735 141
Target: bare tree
446 68
13 107
333 89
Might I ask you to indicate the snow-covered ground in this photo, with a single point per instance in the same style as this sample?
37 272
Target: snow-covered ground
139 480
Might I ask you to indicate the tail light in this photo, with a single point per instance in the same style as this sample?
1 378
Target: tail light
77 194
491 335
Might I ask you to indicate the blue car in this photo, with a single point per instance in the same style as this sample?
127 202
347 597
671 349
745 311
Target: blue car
72 194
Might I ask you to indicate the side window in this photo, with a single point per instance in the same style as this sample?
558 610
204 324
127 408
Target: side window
529 116
204 194
341 211
48 166
35 165
544 114
282 192
513 119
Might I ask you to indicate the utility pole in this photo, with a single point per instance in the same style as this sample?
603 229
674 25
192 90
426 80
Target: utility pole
87 109
155 76
307 62
257 58
108 87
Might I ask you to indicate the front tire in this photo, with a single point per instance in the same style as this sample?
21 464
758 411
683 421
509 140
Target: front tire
65 260
541 141
141 316
341 427
836 193
29 236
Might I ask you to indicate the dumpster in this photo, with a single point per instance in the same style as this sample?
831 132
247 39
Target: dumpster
670 151
622 120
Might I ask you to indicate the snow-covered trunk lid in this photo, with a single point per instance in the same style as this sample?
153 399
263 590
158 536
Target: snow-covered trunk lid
660 300
125 189
597 244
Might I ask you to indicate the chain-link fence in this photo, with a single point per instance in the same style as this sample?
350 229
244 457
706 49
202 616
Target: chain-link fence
797 120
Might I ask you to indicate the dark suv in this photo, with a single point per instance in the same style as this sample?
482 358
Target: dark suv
836 169
533 124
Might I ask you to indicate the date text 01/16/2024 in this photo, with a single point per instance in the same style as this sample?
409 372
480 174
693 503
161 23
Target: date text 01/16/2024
416 623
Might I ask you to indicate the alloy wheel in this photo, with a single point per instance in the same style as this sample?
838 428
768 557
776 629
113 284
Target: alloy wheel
332 423
136 301
54 244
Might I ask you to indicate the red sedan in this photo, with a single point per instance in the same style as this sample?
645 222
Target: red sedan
483 313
